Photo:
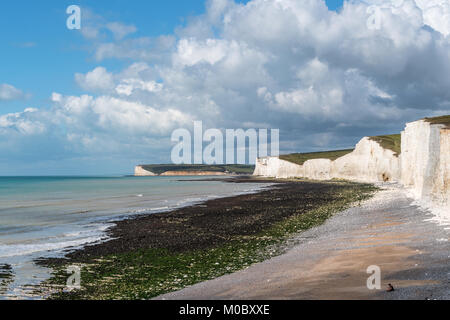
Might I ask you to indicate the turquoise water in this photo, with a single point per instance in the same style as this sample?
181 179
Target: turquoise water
46 216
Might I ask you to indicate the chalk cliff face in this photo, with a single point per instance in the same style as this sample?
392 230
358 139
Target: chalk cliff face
420 157
425 162
140 172
277 168
369 162
423 166
441 187
318 169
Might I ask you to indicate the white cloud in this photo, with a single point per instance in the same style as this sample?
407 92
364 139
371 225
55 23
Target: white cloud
86 126
22 122
9 93
127 86
127 116
120 30
322 77
436 14
433 13
115 115
96 27
191 52
294 65
143 49
98 79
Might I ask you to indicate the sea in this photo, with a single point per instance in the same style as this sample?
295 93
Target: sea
42 217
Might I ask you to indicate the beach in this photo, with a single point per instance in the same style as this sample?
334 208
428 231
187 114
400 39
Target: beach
286 239
43 217
159 253
330 261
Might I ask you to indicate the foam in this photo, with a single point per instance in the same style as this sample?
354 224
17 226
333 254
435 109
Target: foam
7 251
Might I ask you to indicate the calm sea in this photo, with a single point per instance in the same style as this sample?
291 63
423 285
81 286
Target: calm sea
46 216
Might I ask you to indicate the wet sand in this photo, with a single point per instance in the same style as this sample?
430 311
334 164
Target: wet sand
331 261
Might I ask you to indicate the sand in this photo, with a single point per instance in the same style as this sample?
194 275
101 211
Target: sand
331 261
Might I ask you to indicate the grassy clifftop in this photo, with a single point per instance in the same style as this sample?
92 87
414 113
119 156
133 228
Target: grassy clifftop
301 158
161 168
391 142
445 120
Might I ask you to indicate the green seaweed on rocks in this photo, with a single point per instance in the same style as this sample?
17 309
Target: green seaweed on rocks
6 277
144 273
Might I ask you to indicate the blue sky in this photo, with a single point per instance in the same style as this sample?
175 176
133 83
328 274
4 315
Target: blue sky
40 56
100 100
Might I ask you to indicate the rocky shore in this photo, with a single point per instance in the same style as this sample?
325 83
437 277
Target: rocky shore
159 253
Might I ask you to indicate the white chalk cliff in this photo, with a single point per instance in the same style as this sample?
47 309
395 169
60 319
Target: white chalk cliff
369 162
139 171
423 165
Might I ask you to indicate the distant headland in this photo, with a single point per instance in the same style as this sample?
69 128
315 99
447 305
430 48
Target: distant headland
192 170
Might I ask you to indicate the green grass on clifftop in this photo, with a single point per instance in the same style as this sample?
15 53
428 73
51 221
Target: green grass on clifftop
392 142
445 120
238 169
301 158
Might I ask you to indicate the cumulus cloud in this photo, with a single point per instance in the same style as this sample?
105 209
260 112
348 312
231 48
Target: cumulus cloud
433 13
24 122
115 115
88 127
98 79
324 78
9 92
128 86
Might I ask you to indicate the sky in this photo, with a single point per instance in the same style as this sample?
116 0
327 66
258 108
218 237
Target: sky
107 97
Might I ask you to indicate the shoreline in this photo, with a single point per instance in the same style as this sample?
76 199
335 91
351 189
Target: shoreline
111 224
18 283
160 253
330 261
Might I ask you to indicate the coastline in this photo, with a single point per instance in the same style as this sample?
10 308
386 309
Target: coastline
151 255
330 261
82 211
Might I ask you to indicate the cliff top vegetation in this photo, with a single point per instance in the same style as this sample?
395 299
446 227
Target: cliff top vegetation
301 158
392 142
445 120
161 168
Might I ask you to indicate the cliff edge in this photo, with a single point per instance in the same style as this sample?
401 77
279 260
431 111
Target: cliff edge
368 162
419 159
425 161
139 171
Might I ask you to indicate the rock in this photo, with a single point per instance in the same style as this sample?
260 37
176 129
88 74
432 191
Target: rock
423 165
139 171
369 162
